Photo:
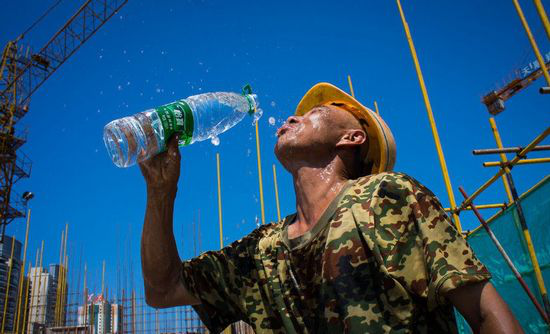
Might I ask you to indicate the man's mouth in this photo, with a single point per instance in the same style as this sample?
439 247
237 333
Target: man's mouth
283 129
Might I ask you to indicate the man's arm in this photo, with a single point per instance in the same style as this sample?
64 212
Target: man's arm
484 309
160 260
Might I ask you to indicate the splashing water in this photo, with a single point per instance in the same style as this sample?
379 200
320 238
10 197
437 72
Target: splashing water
271 120
256 116
215 141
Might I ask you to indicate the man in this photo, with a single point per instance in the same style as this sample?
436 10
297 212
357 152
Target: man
367 251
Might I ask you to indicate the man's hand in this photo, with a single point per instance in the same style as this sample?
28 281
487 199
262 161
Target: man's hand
484 309
162 172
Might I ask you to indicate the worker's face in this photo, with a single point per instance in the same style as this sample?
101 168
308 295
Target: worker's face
313 135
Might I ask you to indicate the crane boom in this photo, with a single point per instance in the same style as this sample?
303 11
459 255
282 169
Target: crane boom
77 30
494 101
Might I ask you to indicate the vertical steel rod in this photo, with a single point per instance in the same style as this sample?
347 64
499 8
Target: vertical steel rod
219 199
276 194
431 118
543 17
530 247
503 158
20 285
532 41
259 169
351 86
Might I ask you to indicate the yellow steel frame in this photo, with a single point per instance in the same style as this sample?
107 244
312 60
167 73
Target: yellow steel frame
543 16
219 199
260 183
484 206
20 285
276 194
521 162
532 41
501 171
503 158
526 234
351 86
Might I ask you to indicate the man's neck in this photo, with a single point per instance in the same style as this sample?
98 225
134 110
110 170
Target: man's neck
315 188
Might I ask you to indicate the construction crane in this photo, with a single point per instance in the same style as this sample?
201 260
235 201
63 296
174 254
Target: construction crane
523 77
22 72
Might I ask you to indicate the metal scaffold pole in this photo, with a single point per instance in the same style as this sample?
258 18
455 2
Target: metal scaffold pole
543 16
351 86
260 183
503 158
532 41
219 199
22 280
26 302
276 193
431 118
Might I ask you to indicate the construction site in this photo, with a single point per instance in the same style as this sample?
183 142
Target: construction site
51 288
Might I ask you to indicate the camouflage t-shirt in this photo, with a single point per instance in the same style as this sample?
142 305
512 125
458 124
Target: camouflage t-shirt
379 260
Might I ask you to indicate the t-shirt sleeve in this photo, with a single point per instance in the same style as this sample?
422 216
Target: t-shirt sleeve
420 245
220 280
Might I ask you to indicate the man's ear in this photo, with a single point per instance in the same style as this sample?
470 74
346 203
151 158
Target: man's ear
352 138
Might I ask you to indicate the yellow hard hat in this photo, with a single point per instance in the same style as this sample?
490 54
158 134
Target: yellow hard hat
381 154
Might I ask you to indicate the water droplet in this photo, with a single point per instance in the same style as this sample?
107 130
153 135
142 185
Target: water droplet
273 104
271 120
259 112
215 141
119 87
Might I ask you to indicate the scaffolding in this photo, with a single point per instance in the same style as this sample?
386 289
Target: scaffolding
521 214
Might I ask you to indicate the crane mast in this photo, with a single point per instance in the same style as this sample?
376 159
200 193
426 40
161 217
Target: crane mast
22 72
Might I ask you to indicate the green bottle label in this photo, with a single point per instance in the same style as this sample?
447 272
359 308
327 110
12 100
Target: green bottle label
176 117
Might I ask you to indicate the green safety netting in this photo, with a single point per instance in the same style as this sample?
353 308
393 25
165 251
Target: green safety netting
506 227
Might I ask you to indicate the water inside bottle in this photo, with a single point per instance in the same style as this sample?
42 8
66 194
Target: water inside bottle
215 113
133 139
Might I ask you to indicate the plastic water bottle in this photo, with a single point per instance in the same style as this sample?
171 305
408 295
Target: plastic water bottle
199 117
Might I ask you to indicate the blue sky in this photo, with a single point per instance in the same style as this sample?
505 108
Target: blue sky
152 53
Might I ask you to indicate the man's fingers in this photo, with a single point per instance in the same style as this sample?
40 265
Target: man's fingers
173 150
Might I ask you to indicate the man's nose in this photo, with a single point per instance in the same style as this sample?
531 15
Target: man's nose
292 119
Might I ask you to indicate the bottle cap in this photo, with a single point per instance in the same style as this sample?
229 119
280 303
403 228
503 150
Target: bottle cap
247 92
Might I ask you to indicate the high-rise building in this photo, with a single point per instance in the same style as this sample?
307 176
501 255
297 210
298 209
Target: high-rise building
13 276
116 318
44 297
104 317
